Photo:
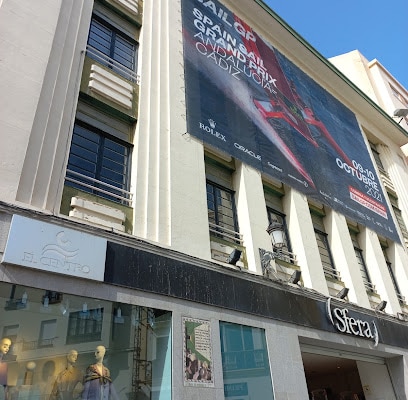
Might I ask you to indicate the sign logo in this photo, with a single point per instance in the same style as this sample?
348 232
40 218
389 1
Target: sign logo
345 324
52 248
210 128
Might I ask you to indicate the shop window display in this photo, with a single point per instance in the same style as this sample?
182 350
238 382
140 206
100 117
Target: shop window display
66 347
245 363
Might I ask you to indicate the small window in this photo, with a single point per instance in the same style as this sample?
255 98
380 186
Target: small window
111 47
398 216
99 164
85 326
221 212
390 267
48 333
377 158
222 216
361 262
324 247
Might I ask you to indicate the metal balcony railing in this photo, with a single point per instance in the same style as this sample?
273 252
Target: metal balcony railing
285 255
330 272
37 344
100 187
225 233
401 298
114 65
369 286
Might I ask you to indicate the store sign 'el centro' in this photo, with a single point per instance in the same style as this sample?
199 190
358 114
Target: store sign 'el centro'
346 324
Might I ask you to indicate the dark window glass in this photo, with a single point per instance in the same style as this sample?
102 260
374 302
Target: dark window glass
113 44
361 262
325 254
221 210
245 363
85 326
274 215
101 158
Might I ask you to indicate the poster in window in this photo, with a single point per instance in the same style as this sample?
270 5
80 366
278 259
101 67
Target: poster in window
197 353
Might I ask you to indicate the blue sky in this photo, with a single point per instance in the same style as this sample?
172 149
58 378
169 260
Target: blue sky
378 29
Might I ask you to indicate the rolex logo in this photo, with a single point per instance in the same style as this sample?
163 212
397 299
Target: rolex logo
212 123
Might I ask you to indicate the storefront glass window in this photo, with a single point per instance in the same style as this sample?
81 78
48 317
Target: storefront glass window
56 346
245 362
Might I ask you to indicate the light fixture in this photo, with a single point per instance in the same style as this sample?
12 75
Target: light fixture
343 293
151 319
295 278
118 318
84 314
277 233
381 306
401 113
234 256
97 313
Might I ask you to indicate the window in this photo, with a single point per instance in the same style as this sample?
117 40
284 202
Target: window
399 96
377 159
85 326
324 247
138 347
401 298
99 164
274 209
222 216
398 216
361 262
244 354
111 47
48 332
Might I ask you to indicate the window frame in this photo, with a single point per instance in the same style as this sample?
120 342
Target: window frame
85 320
217 222
397 289
99 163
361 262
116 35
330 270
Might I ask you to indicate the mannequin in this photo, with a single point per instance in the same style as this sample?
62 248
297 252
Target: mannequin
5 344
66 385
97 382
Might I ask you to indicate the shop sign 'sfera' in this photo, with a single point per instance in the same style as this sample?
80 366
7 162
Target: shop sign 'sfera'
346 324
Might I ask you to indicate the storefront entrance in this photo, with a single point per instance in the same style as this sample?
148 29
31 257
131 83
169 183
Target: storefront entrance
332 378
344 375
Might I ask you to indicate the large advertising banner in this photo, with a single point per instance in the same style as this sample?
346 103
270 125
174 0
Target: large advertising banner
247 99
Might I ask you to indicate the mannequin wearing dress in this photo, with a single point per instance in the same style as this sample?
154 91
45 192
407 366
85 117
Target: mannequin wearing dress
97 382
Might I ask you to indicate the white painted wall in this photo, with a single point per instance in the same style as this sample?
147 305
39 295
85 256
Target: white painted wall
27 31
375 381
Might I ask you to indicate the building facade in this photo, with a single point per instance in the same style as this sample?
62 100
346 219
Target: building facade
194 203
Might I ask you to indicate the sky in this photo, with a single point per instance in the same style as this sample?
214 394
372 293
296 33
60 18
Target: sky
378 29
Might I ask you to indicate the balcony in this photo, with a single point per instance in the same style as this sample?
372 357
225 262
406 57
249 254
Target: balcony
223 241
109 84
96 202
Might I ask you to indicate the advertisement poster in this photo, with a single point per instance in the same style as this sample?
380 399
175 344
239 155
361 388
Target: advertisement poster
247 99
197 353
